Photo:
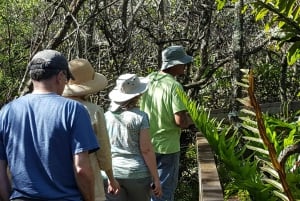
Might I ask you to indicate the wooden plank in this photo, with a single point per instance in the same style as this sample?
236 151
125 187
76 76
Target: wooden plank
209 184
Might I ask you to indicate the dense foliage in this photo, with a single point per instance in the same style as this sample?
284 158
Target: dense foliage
224 36
128 36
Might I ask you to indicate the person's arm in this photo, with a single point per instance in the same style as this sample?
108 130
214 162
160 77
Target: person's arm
84 176
5 186
104 154
113 184
149 157
183 119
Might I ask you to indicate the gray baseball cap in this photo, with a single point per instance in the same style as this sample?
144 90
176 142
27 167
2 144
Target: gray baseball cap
174 55
50 60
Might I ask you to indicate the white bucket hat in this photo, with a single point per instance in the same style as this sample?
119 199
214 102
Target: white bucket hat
127 87
86 81
174 55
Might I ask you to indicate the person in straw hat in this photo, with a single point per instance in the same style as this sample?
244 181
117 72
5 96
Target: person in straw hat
133 158
88 82
167 115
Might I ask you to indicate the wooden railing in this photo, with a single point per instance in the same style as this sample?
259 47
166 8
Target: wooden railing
209 184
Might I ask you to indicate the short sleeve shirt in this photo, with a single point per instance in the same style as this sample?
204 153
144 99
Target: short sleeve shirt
124 133
39 135
161 101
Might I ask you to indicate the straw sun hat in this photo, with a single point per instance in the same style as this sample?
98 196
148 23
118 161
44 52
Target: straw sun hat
86 80
128 86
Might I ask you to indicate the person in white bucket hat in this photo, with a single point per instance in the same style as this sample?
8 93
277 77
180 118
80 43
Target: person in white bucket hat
86 83
167 116
133 158
128 86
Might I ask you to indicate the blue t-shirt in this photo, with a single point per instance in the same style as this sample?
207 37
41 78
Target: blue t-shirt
124 134
39 135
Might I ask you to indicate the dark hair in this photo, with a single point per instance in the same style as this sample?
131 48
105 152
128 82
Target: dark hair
43 74
37 73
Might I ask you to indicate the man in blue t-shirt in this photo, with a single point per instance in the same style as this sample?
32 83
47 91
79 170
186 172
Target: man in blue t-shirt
45 139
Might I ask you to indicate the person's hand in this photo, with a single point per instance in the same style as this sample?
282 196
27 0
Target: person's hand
156 188
113 186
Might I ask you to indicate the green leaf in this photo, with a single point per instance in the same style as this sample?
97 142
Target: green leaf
253 139
249 121
290 7
245 101
250 128
281 5
267 27
244 9
244 70
296 14
260 150
271 171
293 53
261 14
281 24
290 139
220 4
274 183
246 111
281 195
242 84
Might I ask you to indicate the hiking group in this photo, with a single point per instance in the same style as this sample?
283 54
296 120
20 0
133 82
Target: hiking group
56 144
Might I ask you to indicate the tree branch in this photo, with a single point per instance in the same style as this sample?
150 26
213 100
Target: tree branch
58 38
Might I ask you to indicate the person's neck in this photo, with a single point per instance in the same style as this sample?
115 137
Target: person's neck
42 92
168 72
43 88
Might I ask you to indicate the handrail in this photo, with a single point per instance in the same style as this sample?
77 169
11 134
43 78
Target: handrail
209 184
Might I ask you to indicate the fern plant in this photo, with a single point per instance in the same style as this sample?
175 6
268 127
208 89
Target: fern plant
248 155
267 138
236 171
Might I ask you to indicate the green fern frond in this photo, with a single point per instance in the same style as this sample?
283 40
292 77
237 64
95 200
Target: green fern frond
246 111
265 162
253 139
245 80
248 120
250 128
242 84
271 171
244 101
281 195
274 183
245 71
260 150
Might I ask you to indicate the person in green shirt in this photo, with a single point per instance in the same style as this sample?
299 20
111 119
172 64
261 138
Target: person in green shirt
167 116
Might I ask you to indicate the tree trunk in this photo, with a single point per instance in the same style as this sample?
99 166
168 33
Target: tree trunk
237 62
